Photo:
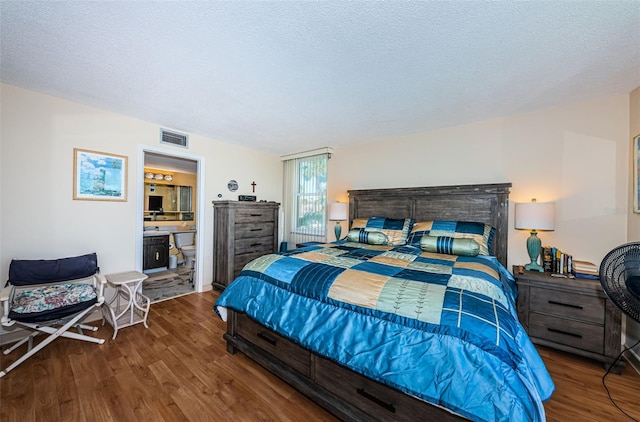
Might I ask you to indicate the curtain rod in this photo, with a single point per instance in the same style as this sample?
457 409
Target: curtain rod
319 151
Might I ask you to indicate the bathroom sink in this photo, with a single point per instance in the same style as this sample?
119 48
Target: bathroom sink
156 233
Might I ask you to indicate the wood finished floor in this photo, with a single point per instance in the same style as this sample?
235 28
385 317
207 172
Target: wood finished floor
178 369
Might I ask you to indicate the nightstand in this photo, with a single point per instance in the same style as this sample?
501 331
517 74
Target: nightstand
572 315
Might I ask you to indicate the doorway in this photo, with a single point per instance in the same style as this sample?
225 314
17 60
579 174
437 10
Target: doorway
177 273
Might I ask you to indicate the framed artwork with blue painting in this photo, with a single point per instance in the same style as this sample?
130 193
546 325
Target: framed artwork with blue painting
99 176
636 174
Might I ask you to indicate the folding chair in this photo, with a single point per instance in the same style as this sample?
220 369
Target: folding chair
51 297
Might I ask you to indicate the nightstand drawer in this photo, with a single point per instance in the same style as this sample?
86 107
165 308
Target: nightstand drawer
569 332
569 305
287 351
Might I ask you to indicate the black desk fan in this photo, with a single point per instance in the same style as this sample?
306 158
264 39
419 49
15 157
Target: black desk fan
620 280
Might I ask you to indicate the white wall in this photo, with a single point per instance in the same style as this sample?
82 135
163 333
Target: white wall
633 230
39 217
576 156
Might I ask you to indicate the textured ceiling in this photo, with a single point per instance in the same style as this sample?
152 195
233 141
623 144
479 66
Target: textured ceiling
290 76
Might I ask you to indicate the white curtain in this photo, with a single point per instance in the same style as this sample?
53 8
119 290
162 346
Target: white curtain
305 199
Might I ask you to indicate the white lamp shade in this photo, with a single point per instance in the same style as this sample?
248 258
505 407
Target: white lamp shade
338 211
535 216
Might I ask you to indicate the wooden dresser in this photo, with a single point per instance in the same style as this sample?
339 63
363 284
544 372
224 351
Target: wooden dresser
242 231
572 315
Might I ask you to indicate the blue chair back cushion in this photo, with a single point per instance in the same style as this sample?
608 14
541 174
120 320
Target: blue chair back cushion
25 272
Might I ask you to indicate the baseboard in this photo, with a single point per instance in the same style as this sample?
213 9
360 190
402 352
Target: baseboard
8 336
633 359
207 287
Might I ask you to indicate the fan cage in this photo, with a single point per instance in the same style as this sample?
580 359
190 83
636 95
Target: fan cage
616 268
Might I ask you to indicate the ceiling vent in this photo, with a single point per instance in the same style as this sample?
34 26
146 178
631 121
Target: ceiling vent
174 138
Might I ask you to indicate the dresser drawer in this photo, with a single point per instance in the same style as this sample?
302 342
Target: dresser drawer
244 259
581 335
569 305
262 244
253 230
381 402
254 215
285 350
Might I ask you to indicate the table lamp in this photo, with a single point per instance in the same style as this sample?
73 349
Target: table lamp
338 211
535 216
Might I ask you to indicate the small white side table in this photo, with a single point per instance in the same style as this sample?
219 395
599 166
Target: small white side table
134 308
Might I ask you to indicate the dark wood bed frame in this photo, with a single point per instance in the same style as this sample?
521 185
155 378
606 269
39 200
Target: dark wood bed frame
346 394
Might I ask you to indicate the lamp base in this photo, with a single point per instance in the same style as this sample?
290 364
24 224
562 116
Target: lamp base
534 267
534 244
337 230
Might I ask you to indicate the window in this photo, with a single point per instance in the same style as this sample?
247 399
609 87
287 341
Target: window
305 198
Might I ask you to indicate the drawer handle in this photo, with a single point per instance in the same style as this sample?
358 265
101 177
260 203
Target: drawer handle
553 330
256 215
256 244
266 338
388 406
568 305
255 230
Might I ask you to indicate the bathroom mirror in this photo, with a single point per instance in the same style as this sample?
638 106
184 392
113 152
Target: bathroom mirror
167 202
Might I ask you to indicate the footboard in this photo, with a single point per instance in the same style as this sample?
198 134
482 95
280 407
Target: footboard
346 394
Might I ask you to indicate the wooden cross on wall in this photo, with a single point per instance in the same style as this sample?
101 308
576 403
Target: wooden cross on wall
253 187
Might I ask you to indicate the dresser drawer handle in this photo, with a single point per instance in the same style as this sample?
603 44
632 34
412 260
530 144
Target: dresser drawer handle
256 244
388 406
568 305
255 230
268 339
553 330
256 215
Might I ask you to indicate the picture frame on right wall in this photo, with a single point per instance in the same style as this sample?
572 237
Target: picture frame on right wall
636 174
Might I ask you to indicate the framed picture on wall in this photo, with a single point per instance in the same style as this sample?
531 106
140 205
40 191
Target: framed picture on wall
99 176
636 174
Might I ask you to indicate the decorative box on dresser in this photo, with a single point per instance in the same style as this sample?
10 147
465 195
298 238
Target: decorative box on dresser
242 231
569 314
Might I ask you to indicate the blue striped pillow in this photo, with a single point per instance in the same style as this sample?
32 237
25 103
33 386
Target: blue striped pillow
396 230
450 245
482 233
367 237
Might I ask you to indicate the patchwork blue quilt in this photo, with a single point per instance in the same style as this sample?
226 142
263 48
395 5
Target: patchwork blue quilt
439 327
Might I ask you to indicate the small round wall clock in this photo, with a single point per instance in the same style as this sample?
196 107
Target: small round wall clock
232 185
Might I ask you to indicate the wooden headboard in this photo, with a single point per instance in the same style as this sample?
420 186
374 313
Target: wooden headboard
482 203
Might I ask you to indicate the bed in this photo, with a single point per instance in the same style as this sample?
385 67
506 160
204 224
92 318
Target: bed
384 326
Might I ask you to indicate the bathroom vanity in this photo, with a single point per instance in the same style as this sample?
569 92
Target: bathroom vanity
155 249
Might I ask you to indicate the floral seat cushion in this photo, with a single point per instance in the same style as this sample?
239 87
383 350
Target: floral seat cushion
45 303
